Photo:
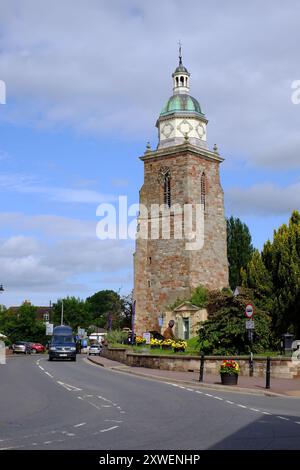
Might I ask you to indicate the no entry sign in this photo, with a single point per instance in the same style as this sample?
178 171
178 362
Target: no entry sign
249 311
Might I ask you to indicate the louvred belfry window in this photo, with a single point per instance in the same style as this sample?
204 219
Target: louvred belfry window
203 190
167 189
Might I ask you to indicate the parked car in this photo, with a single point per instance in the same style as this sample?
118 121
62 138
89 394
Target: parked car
37 348
95 349
21 347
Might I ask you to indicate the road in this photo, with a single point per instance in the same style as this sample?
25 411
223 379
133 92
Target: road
64 405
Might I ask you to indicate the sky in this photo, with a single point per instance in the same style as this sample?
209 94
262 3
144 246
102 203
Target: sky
85 82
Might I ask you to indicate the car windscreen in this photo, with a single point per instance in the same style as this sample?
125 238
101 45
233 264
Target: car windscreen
60 339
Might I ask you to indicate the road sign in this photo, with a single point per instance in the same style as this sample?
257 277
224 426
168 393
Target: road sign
147 337
249 311
81 332
250 325
49 329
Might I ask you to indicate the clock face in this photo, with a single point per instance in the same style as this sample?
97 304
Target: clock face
200 130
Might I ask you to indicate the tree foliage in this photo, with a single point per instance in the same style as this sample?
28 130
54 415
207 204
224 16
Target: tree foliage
239 249
105 304
225 333
76 313
22 325
275 276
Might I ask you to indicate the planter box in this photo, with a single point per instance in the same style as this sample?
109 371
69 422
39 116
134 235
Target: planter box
155 346
165 346
227 379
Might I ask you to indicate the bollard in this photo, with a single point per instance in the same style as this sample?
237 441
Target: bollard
251 365
268 372
201 368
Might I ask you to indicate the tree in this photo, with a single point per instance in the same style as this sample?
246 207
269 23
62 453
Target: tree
22 324
239 249
224 332
76 312
105 304
275 276
127 310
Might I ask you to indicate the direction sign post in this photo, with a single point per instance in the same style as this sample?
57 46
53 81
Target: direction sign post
249 311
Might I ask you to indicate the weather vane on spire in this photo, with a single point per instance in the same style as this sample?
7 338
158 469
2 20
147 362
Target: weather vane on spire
180 54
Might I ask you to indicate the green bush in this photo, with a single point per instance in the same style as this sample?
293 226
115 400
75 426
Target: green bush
200 297
116 336
224 332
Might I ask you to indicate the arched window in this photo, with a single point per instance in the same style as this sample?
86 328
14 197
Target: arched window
203 190
181 81
167 189
176 81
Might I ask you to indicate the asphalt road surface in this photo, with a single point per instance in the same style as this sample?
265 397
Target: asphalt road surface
65 405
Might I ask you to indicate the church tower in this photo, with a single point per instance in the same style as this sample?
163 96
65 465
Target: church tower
181 173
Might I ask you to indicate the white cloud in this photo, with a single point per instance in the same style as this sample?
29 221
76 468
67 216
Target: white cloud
263 200
47 225
29 185
105 67
31 266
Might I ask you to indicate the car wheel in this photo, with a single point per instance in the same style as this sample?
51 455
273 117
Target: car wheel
50 359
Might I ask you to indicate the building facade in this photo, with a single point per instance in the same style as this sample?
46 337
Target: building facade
181 234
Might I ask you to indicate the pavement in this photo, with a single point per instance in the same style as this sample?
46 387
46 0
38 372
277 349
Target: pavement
79 405
251 385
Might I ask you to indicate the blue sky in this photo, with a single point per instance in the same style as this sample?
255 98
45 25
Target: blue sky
85 85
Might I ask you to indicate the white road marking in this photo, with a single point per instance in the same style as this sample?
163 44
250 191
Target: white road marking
208 395
297 422
70 434
34 444
69 387
47 442
42 368
190 389
108 429
283 417
80 398
242 406
7 448
198 391
114 420
230 402
105 406
265 413
78 425
254 409
218 398
49 375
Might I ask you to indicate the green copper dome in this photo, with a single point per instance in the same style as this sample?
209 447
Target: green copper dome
181 103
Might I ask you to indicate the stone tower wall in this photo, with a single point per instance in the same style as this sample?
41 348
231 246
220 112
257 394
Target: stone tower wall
164 269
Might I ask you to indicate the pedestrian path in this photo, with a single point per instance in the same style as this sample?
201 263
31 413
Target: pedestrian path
286 387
